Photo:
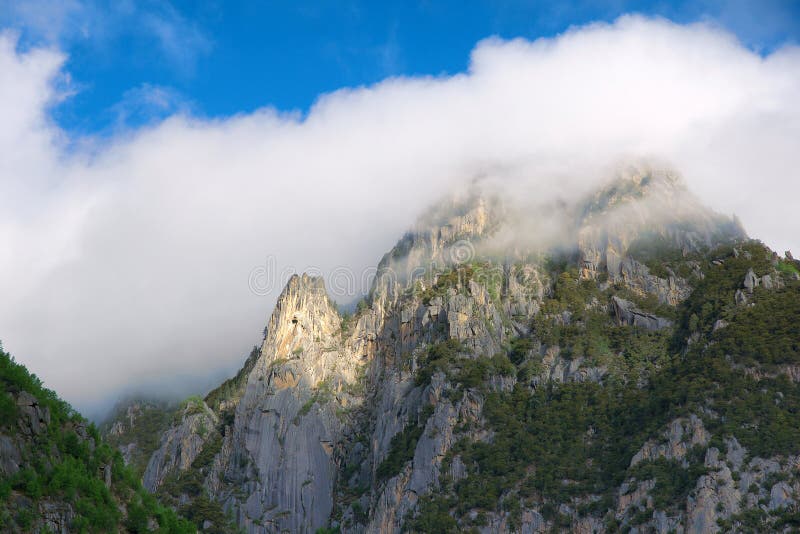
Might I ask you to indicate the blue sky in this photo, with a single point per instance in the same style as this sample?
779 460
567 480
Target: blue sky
133 62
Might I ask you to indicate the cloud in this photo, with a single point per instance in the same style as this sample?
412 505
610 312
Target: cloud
45 20
180 43
128 260
147 103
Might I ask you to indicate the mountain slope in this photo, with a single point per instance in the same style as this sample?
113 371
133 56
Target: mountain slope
641 375
58 475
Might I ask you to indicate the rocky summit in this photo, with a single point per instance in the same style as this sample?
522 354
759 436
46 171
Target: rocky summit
636 370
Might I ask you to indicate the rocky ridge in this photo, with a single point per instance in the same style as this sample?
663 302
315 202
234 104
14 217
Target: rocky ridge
367 423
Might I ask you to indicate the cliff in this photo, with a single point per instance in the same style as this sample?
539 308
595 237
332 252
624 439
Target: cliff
622 380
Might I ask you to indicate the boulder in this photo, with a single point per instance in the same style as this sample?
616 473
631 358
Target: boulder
750 281
626 313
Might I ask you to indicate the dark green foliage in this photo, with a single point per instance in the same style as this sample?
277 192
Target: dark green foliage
153 419
432 516
768 332
452 278
713 296
764 415
592 334
561 441
657 253
557 441
63 466
752 520
8 409
519 347
403 445
231 389
673 482
210 449
472 373
460 368
571 293
202 509
185 491
437 359
15 377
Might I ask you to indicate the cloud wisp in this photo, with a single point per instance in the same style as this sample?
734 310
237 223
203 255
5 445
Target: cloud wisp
128 260
180 42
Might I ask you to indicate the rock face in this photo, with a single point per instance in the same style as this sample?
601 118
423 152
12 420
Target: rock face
333 425
35 419
627 313
653 206
136 429
682 435
281 446
730 484
10 455
181 444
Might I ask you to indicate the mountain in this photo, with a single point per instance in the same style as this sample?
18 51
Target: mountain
624 361
637 373
57 474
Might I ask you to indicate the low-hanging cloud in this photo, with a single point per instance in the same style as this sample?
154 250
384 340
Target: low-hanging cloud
127 260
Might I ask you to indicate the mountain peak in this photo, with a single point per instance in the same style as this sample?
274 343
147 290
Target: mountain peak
303 313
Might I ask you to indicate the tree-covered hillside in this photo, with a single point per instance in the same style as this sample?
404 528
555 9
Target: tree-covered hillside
571 450
57 474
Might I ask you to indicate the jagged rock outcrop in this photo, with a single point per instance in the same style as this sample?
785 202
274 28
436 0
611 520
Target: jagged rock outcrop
654 206
181 444
34 418
280 449
732 483
682 435
627 313
331 424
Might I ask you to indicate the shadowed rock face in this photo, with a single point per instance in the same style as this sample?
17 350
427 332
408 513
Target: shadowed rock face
627 313
181 444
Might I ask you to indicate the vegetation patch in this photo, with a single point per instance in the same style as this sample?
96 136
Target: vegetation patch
673 481
62 465
403 445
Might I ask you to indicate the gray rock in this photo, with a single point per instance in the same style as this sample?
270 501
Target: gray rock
55 516
626 313
34 419
10 456
105 473
322 405
750 281
681 435
180 445
766 281
781 496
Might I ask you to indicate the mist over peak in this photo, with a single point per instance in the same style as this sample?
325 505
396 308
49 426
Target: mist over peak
162 228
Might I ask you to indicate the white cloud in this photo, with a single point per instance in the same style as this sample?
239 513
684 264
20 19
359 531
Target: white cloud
181 42
147 103
128 261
